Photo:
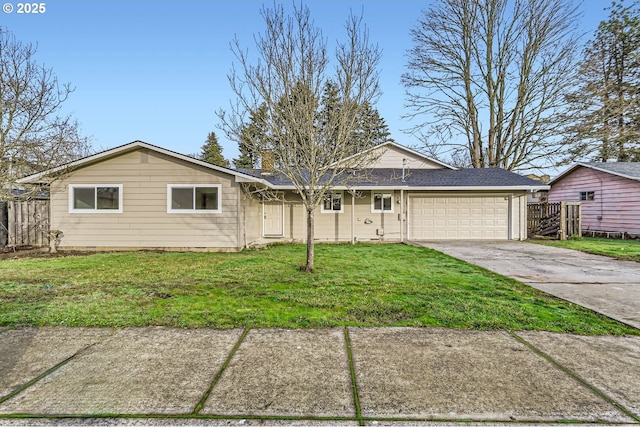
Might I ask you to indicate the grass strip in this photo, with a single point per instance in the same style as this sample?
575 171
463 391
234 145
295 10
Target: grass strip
625 250
202 401
176 417
354 384
412 420
575 376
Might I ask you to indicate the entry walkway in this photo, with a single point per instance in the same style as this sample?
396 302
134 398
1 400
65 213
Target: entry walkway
337 376
603 284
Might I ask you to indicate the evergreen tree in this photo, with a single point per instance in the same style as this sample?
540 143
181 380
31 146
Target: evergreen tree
607 100
373 128
370 129
252 134
212 151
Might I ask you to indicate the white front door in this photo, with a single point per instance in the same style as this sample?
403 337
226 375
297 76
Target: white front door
273 219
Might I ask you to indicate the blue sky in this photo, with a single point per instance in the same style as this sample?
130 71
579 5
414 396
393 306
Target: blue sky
156 71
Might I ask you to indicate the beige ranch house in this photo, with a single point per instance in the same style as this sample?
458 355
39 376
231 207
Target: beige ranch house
140 196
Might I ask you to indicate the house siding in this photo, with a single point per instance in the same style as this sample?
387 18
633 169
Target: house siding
367 226
144 173
144 221
329 226
617 199
393 158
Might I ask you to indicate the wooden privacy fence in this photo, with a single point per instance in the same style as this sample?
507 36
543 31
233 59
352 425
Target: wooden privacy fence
28 223
560 219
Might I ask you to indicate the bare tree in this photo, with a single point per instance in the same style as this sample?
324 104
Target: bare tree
291 71
487 79
33 136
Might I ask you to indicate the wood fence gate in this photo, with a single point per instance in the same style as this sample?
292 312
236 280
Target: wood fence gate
559 220
28 223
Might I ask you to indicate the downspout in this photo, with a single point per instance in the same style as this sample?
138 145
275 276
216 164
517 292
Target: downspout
510 222
520 233
241 224
353 218
401 214
524 230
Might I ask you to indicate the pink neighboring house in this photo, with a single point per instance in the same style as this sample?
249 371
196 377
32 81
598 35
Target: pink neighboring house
609 192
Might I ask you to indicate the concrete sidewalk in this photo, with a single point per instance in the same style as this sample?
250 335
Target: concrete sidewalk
350 376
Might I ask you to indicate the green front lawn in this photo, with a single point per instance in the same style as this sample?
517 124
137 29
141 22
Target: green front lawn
361 285
620 249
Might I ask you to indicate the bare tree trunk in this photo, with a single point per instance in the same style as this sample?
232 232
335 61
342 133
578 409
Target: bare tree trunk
310 243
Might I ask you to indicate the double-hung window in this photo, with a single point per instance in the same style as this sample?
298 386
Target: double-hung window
381 202
95 198
194 198
332 202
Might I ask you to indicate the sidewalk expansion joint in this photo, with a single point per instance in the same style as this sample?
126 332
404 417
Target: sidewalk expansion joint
354 384
575 376
266 418
46 373
202 401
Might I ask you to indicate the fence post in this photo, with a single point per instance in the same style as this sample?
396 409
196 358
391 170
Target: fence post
563 220
580 219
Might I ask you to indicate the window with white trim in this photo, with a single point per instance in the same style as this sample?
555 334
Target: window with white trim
332 202
194 198
95 198
381 202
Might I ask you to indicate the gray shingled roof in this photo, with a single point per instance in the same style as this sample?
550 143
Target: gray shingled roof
627 169
489 177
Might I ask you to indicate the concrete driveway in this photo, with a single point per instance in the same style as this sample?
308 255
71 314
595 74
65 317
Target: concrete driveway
605 285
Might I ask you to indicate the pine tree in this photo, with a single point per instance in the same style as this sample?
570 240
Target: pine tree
607 100
374 127
252 131
212 151
371 128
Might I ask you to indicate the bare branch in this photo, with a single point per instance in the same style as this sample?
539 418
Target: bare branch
489 77
306 115
33 137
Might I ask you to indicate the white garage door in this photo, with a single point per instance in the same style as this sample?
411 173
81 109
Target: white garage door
458 217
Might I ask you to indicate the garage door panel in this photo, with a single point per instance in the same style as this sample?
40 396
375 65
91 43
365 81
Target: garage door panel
458 217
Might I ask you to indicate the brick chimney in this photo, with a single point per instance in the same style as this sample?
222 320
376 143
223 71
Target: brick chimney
268 162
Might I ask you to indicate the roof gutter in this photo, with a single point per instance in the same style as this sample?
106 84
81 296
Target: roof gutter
424 188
